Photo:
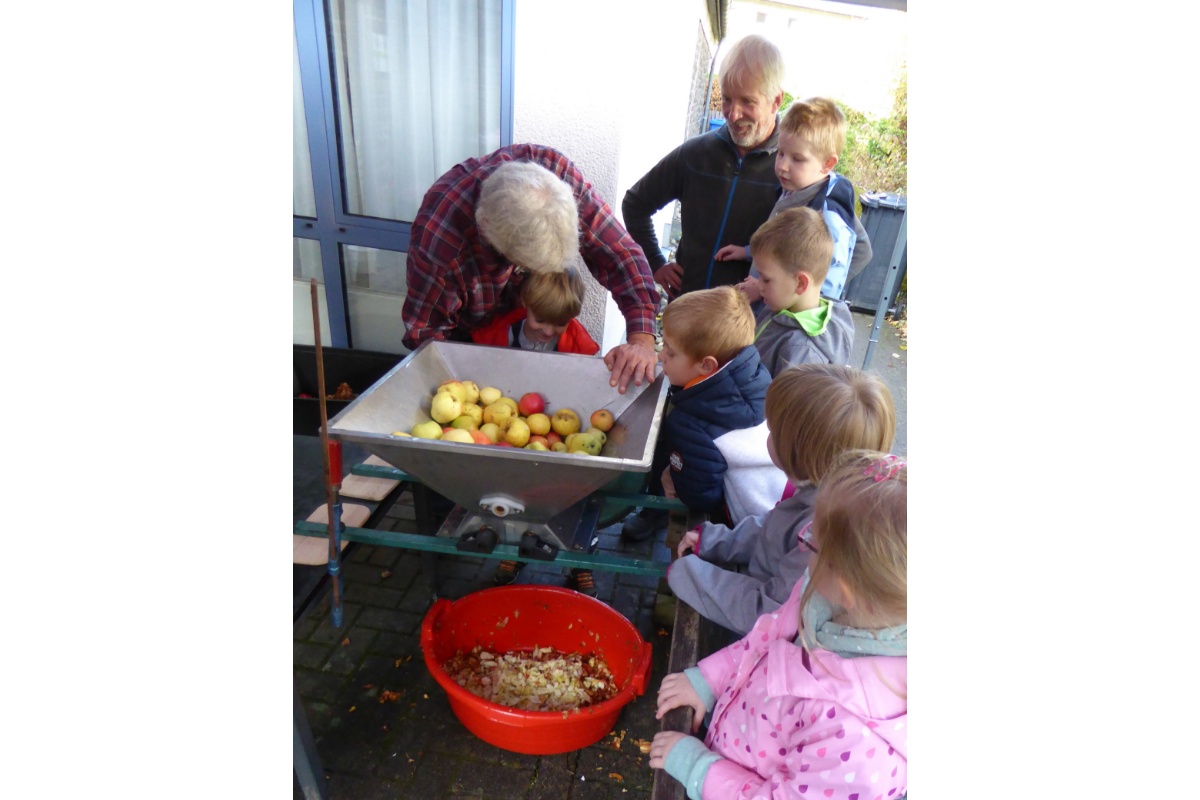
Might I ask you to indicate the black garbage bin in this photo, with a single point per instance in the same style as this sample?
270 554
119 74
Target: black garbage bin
882 214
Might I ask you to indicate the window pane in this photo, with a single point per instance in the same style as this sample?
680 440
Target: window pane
306 264
418 91
303 202
376 285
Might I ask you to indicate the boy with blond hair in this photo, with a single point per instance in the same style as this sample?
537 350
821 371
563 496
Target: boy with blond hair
718 386
812 135
546 319
796 325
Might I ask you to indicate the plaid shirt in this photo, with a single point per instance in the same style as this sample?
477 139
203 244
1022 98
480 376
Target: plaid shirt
457 282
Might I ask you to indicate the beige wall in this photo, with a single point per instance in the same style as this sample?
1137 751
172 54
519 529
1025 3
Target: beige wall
608 85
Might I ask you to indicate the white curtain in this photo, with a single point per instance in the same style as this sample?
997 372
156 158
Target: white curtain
418 85
303 202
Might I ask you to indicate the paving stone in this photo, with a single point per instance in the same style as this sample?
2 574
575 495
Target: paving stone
386 619
373 594
493 781
306 654
346 657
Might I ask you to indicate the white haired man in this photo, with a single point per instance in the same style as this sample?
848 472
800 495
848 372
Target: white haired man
524 207
724 180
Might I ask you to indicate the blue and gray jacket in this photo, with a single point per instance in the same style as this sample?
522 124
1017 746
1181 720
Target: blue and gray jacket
732 398
833 198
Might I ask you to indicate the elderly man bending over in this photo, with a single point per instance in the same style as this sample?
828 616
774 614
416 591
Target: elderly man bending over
525 207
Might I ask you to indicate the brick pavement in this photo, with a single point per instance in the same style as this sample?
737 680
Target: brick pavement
372 747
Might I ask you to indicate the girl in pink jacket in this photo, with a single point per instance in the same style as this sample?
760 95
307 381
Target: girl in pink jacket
813 702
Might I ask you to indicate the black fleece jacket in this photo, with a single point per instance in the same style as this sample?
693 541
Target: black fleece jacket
723 200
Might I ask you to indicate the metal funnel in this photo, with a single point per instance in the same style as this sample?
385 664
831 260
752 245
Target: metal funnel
528 485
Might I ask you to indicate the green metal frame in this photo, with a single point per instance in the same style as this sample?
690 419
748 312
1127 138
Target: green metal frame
441 544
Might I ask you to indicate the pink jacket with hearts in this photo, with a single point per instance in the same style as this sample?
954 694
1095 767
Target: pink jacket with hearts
788 725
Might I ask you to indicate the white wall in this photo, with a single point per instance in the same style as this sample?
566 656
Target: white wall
608 85
852 53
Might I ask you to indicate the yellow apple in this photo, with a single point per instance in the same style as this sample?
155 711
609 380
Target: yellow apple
427 430
489 395
599 434
455 388
517 433
499 413
472 391
445 407
401 433
539 424
515 407
565 422
491 430
558 447
536 446
458 435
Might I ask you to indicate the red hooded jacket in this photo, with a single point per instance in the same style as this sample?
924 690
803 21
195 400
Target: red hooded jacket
575 339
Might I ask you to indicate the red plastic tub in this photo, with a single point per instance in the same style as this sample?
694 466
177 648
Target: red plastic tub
520 618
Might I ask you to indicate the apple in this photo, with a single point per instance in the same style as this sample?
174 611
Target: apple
538 424
474 411
517 432
536 439
458 435
583 443
489 395
464 422
602 419
492 431
558 447
498 413
565 422
427 430
531 403
599 434
455 388
513 403
445 407
505 444
401 433
552 437
480 437
472 391
536 446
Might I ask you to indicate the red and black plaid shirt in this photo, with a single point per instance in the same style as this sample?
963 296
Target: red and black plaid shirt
456 281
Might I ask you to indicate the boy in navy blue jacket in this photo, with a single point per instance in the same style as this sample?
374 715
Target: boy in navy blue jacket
718 385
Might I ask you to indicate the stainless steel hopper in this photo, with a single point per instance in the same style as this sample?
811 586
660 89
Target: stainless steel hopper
512 490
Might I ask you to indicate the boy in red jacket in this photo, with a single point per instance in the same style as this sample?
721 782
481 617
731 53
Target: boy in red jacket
547 321
550 302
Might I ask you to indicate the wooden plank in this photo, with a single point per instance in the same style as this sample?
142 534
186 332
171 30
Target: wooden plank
314 551
686 636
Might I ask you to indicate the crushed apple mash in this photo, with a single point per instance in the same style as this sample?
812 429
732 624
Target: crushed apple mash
542 680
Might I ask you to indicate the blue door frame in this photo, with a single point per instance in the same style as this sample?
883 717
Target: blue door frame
332 226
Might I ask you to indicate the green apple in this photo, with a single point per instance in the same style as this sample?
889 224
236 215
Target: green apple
583 443
536 446
492 431
427 430
464 422
599 434
474 411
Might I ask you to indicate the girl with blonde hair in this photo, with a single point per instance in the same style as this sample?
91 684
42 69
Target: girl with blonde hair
813 702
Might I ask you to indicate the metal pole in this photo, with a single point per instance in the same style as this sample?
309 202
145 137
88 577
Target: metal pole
305 764
889 286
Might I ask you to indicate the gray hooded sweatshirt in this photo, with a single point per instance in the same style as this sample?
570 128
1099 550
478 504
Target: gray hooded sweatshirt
782 343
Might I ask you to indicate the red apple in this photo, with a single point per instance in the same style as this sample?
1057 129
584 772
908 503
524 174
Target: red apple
539 439
553 437
531 403
602 419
